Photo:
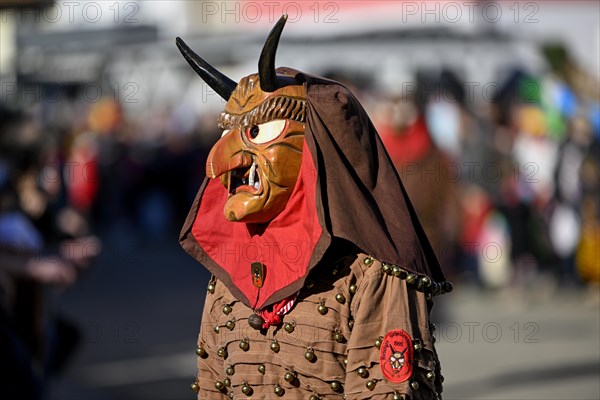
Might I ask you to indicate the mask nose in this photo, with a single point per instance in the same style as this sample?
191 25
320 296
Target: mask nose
227 154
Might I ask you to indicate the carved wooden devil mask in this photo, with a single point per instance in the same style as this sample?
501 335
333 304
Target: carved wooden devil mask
259 154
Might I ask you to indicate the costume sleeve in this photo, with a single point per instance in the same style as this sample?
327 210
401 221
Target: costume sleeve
210 365
385 303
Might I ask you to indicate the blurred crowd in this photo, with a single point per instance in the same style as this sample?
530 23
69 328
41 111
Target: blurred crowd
506 186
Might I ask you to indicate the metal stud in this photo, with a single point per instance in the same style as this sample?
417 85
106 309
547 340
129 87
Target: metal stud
417 345
309 354
275 345
368 261
363 372
335 386
211 287
246 389
289 327
412 279
379 341
200 351
195 387
227 309
371 384
245 344
322 308
219 385
340 298
337 336
230 324
430 376
222 352
290 376
278 390
414 385
230 370
386 268
352 288
350 324
262 369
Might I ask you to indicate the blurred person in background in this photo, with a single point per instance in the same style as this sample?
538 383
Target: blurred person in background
425 167
43 244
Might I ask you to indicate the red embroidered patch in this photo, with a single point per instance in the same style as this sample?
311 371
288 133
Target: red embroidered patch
396 356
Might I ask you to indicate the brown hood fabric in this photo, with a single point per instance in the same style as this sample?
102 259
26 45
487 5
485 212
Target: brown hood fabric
359 198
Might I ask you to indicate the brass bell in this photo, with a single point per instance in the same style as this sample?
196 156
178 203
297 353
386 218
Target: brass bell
230 395
222 352
386 268
335 386
351 324
278 390
227 309
211 287
313 397
275 345
447 287
230 370
396 271
368 261
322 309
432 327
200 351
230 324
362 372
246 389
430 376
289 376
219 385
441 378
227 382
245 344
338 337
334 272
425 281
397 396
262 369
352 288
417 345
217 329
412 279
428 296
370 384
340 298
309 354
289 327
310 284
346 362
414 385
195 387
379 341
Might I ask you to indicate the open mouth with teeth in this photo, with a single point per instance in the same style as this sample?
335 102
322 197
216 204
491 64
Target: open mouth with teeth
246 179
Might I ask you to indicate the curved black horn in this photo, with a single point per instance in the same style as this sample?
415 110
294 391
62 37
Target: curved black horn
266 64
216 80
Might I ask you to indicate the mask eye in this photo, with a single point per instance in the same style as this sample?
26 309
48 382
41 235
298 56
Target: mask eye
225 132
266 132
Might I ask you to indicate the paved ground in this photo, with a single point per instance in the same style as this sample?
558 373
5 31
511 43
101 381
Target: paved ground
139 310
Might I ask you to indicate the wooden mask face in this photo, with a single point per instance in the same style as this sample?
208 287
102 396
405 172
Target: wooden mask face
259 154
